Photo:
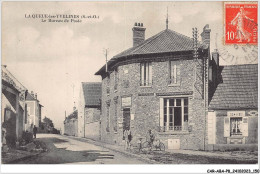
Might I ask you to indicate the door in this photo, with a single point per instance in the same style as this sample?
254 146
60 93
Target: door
126 119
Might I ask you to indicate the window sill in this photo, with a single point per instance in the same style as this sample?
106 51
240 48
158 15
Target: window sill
172 85
145 86
174 133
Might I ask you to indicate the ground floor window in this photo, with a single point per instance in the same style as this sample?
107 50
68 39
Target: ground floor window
175 114
235 125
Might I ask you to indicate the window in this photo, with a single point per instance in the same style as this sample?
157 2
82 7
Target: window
174 73
108 84
146 74
235 125
116 79
175 113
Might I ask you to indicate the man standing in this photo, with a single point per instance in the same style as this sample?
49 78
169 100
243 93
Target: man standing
150 138
34 131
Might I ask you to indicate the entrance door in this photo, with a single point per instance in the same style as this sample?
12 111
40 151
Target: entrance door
126 119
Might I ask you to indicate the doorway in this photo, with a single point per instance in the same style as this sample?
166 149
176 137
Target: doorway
126 119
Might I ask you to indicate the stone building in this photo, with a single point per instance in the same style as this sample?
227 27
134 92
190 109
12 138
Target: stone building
89 110
159 84
71 124
17 106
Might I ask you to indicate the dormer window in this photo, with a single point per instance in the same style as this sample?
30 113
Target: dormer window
146 74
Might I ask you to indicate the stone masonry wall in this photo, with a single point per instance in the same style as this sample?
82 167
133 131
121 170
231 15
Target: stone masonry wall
145 109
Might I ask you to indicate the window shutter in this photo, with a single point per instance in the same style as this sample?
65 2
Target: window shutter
245 126
161 114
142 74
177 74
211 128
227 127
150 73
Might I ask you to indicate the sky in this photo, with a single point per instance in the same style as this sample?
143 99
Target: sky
53 58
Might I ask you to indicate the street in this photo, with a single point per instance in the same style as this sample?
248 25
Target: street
64 150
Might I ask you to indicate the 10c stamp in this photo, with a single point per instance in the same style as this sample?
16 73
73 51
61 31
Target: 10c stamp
240 23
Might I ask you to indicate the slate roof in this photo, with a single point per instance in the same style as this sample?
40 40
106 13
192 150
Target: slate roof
166 41
92 92
238 89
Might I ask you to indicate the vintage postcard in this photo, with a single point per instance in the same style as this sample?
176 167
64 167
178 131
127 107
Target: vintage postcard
158 83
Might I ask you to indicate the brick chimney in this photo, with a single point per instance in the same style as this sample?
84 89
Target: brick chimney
138 34
205 35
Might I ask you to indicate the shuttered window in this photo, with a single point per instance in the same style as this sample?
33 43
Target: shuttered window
174 73
146 74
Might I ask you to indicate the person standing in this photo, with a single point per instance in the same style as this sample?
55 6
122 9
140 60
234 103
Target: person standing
150 138
34 131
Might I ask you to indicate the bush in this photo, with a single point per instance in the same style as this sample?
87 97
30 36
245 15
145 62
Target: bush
27 137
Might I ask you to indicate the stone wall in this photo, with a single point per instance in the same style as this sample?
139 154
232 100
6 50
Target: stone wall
145 106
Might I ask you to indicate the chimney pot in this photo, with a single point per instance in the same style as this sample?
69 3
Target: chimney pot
136 24
35 95
141 24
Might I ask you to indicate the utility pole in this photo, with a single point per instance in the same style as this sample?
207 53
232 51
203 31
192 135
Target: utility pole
106 54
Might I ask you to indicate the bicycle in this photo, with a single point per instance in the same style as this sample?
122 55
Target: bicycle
146 146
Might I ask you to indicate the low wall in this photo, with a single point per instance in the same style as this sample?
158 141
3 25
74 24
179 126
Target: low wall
92 130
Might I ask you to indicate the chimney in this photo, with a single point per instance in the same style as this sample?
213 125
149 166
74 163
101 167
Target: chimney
138 34
205 35
32 94
36 96
215 67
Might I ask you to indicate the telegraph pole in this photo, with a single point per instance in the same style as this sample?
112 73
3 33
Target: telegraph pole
106 54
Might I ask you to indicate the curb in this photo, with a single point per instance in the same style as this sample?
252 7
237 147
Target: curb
115 150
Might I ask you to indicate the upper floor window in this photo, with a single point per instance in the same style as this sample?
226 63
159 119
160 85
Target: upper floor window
174 73
116 79
146 74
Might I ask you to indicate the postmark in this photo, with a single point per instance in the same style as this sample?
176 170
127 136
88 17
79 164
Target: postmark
240 23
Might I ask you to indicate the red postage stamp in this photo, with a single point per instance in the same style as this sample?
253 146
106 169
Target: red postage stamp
241 23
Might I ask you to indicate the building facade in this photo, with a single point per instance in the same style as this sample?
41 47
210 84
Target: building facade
34 111
89 110
158 84
14 108
233 107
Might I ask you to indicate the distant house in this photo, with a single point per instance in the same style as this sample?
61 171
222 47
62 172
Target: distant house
89 110
233 109
34 110
71 124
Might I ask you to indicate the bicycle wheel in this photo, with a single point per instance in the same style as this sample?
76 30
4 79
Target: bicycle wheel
161 146
145 146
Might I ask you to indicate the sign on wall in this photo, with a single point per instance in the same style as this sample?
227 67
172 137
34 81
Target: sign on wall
126 102
236 113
